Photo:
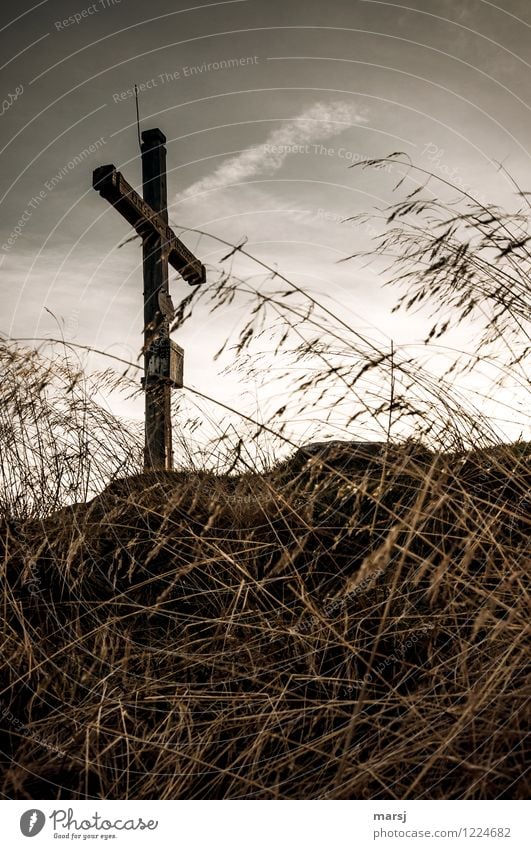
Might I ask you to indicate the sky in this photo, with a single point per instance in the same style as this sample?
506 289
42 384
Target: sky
265 105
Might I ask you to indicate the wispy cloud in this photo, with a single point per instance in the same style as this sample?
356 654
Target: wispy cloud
321 121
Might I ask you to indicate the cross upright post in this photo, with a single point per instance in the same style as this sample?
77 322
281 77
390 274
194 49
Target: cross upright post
158 445
163 358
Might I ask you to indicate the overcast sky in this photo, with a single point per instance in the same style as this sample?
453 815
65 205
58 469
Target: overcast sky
234 85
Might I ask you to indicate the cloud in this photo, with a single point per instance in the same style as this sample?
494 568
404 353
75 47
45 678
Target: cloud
319 122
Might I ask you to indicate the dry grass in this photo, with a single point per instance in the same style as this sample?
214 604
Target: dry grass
58 441
348 627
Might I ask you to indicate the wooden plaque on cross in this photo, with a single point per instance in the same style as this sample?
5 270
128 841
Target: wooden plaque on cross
163 358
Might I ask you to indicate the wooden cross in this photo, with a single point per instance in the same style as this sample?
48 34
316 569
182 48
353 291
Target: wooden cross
163 359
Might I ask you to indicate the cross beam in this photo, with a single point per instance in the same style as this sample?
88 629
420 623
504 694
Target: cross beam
113 186
163 359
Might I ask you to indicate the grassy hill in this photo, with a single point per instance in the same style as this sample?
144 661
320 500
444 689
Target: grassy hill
349 624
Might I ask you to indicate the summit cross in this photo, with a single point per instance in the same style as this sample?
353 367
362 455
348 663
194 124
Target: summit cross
163 358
